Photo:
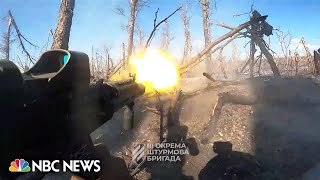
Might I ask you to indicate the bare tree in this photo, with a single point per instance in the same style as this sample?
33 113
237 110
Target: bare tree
116 68
21 39
109 61
7 39
156 25
234 60
101 63
165 37
206 13
5 44
133 15
120 11
24 65
234 52
50 36
135 7
141 36
285 41
124 55
62 33
186 25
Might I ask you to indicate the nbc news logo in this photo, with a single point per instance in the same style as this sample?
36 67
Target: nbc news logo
20 165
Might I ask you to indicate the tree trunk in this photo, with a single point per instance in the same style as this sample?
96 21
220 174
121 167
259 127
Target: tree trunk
206 31
133 12
165 37
124 55
7 40
221 60
267 54
141 37
252 52
187 41
62 33
316 59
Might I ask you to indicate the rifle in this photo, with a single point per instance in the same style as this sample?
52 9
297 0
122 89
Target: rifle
49 111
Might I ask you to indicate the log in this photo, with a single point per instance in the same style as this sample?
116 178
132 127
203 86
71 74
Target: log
278 91
208 76
233 97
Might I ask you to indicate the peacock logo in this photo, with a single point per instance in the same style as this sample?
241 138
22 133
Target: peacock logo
19 165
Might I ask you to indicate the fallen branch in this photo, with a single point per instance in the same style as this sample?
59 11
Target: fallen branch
225 26
211 52
197 58
116 68
222 99
209 77
215 84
